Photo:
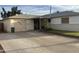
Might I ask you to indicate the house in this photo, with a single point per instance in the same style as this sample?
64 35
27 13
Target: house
66 20
17 23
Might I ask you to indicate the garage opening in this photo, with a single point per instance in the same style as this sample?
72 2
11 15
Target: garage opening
36 24
41 24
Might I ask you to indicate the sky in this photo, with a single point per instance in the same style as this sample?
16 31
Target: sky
30 9
41 9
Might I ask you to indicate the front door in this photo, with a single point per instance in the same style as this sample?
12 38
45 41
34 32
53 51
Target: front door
1 27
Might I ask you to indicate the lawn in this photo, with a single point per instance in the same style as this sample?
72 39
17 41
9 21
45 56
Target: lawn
72 33
68 33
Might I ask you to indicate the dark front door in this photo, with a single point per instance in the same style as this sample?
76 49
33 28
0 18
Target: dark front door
36 24
1 27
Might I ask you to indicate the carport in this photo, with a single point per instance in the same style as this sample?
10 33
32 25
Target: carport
41 23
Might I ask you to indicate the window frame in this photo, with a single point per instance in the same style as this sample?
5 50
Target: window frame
65 20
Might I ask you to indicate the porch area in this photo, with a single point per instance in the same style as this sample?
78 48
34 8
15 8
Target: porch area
41 23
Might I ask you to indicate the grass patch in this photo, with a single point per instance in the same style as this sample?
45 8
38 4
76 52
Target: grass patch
72 33
63 32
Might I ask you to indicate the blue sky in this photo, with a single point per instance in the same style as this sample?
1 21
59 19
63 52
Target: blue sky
30 9
65 8
42 9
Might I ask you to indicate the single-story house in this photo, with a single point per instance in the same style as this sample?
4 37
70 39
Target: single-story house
24 22
66 20
19 23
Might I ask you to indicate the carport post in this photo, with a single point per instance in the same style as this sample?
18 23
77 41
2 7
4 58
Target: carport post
40 23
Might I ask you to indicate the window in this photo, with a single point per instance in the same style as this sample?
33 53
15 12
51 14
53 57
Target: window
65 20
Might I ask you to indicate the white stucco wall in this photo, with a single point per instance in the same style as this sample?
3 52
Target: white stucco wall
29 25
72 26
7 25
19 25
74 20
23 25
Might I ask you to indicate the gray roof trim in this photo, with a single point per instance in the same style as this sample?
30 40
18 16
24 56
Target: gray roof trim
22 16
61 14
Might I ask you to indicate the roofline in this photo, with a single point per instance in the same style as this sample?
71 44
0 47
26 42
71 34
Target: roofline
65 16
59 16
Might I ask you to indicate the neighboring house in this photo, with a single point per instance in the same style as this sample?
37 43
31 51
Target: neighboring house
67 20
19 23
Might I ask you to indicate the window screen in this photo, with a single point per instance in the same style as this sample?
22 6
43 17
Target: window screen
65 20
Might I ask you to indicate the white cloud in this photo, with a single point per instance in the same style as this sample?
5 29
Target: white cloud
65 8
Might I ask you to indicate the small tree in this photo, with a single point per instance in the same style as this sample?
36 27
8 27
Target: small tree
14 11
4 13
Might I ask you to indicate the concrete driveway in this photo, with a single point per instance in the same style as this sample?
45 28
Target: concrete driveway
37 42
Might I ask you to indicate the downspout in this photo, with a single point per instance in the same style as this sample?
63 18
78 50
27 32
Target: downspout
40 22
